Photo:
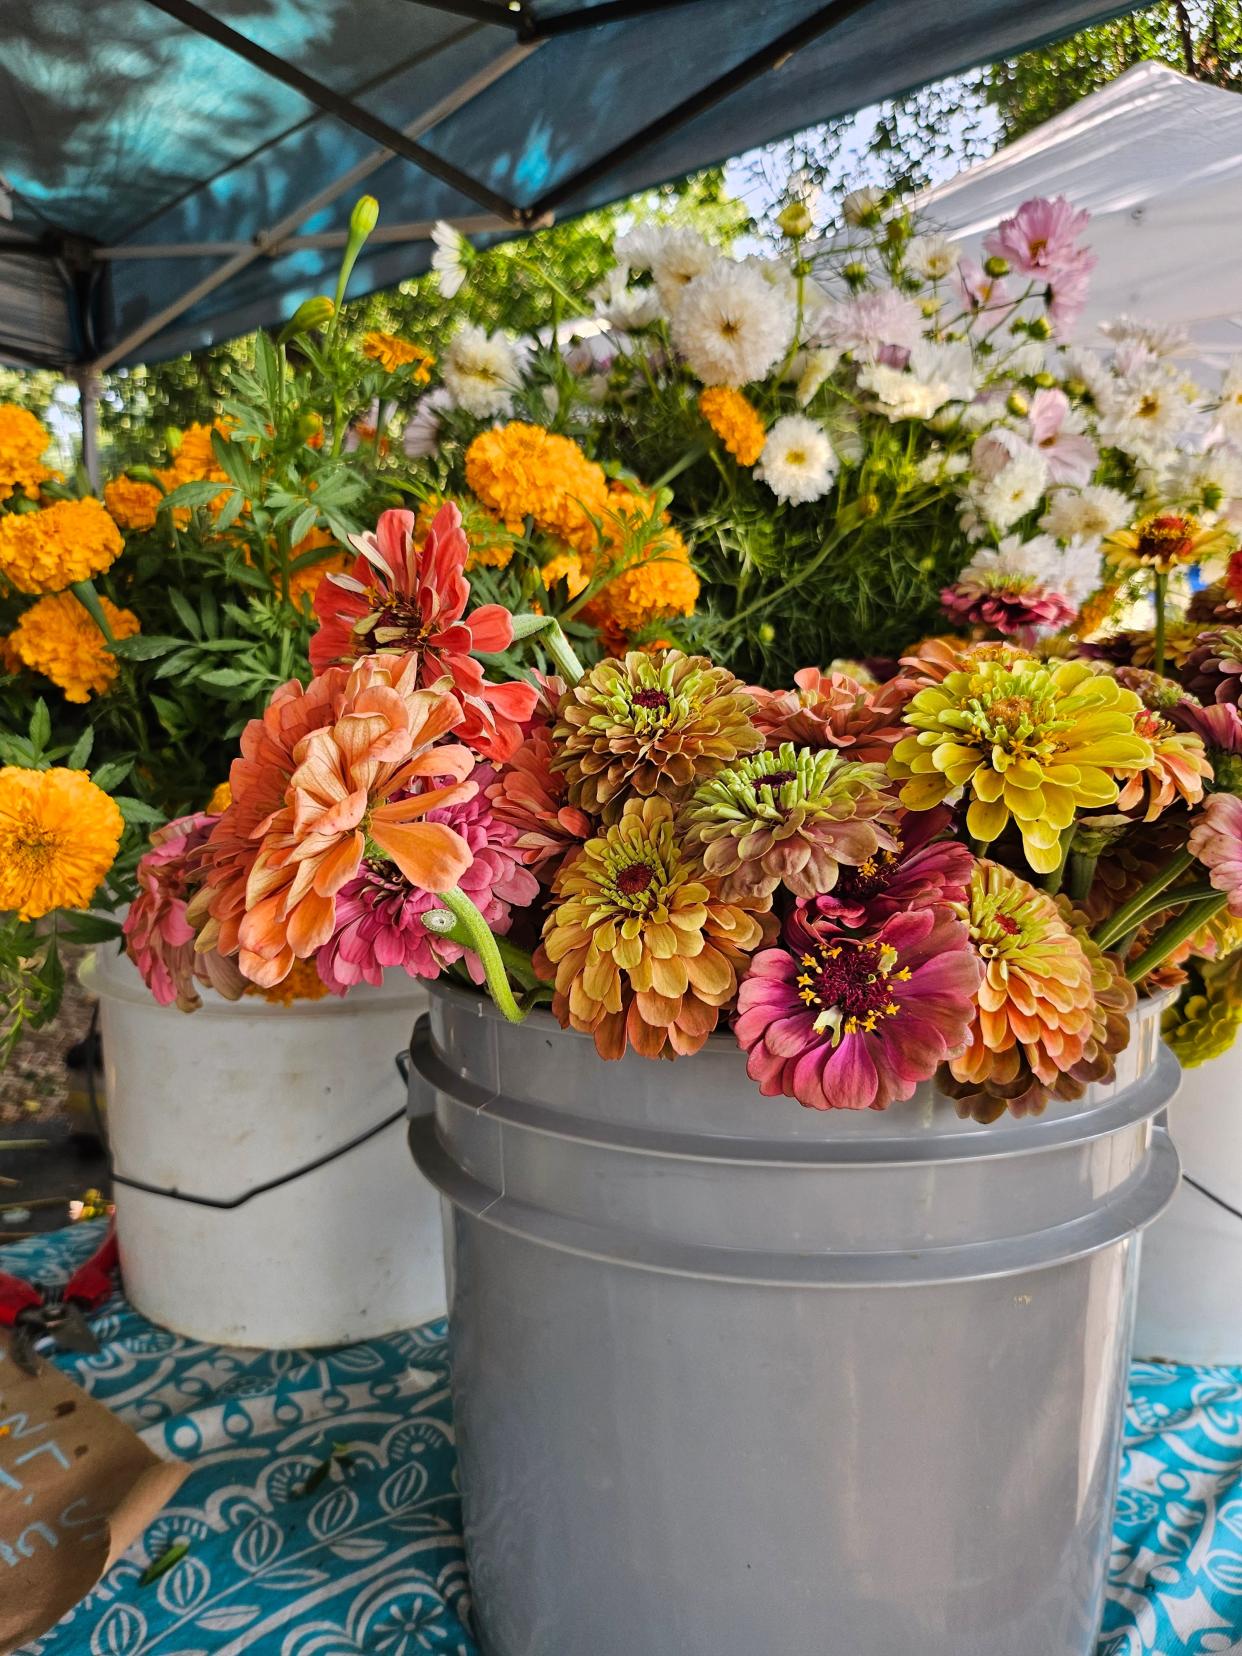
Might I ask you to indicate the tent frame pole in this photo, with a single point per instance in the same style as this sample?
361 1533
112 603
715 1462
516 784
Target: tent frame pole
88 411
463 94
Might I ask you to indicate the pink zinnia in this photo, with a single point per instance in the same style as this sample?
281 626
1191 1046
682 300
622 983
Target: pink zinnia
859 1019
1069 455
835 710
922 869
1216 839
1041 238
379 913
159 938
1020 608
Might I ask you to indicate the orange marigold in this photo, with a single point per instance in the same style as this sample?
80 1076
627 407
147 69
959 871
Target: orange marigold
58 638
23 441
491 544
521 471
735 421
58 837
303 983
133 505
49 550
304 583
392 353
221 799
659 583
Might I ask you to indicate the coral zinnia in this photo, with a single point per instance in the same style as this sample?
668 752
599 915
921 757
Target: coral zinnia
1035 741
402 600
392 353
835 710
66 542
159 938
644 949
57 637
931 661
350 791
1178 770
658 723
920 868
530 796
1216 839
379 913
59 835
857 1020
24 440
735 421
131 504
1036 1008
789 816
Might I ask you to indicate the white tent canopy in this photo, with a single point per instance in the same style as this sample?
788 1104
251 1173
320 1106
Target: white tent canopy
1156 158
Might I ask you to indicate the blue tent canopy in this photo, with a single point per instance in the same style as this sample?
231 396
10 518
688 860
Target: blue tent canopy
174 173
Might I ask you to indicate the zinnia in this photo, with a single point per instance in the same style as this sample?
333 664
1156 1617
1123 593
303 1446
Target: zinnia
1216 839
835 710
916 869
59 835
159 938
857 1020
406 600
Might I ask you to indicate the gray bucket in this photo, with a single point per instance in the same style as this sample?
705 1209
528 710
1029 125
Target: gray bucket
734 1378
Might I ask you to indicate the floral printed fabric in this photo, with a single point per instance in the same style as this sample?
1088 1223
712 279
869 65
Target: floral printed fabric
369 1560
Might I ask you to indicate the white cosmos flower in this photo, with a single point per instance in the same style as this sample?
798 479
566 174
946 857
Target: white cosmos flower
421 437
860 206
622 306
1015 490
1086 514
1026 360
1160 339
933 257
637 249
680 257
809 370
1089 367
934 376
452 257
1229 411
1142 413
731 326
481 371
797 463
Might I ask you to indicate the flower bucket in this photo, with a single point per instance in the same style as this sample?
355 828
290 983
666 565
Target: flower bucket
732 1376
1190 1289
262 1196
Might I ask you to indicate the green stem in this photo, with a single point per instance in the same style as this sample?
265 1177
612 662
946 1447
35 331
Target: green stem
1175 934
696 451
473 932
557 645
1053 879
84 592
1160 594
1081 874
1126 916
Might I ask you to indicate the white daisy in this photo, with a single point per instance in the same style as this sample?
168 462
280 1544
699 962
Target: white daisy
452 257
1086 514
731 326
481 371
1160 339
798 463
933 257
680 257
1015 490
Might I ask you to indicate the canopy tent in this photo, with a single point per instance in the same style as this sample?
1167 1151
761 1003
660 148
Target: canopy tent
1157 160
177 173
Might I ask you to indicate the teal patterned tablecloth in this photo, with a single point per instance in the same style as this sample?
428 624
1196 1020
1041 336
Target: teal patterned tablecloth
369 1558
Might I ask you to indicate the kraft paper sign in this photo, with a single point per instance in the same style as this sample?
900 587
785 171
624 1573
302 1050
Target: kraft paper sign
76 1488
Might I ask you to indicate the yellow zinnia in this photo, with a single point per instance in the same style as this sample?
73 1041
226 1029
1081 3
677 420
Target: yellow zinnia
1163 541
58 838
735 421
49 550
58 638
23 442
1035 742
133 505
392 353
521 471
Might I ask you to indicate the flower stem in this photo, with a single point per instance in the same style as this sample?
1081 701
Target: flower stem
473 932
555 642
1175 934
1161 588
1127 916
1081 874
1053 879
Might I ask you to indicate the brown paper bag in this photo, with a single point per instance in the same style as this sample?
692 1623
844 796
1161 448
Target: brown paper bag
76 1488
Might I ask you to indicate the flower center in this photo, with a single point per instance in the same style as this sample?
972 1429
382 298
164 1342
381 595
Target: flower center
777 779
795 457
867 878
637 877
1150 724
850 985
1149 406
651 699
1165 539
32 848
396 622
984 934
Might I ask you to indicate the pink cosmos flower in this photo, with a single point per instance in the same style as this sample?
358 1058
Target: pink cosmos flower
379 913
1216 839
1041 238
159 938
922 869
861 1018
1067 293
871 323
980 292
1069 455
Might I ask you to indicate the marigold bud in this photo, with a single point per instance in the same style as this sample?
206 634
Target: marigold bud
364 217
310 314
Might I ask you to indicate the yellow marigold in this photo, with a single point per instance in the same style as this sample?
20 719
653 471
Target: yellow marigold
58 837
303 983
569 567
58 638
10 661
392 353
195 460
1098 610
221 799
49 550
23 441
133 505
735 421
491 544
659 584
521 471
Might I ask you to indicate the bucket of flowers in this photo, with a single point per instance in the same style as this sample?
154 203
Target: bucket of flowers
924 912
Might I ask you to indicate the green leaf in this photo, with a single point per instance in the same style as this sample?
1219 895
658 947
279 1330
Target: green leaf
40 726
198 493
80 927
134 811
225 678
146 646
111 774
167 1560
80 752
185 613
231 510
303 524
183 662
169 714
232 458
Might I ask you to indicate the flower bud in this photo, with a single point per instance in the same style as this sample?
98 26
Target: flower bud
1045 381
1039 327
855 273
996 266
868 505
795 220
1016 403
364 217
309 425
1075 388
311 313
766 633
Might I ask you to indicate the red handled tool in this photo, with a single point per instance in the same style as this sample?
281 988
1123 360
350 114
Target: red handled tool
37 1315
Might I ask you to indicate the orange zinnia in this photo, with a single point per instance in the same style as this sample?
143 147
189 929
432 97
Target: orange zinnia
349 797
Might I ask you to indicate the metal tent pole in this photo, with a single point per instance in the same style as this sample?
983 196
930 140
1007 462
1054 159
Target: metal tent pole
88 409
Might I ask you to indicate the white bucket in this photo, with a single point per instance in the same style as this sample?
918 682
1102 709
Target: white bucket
1190 1284
218 1102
